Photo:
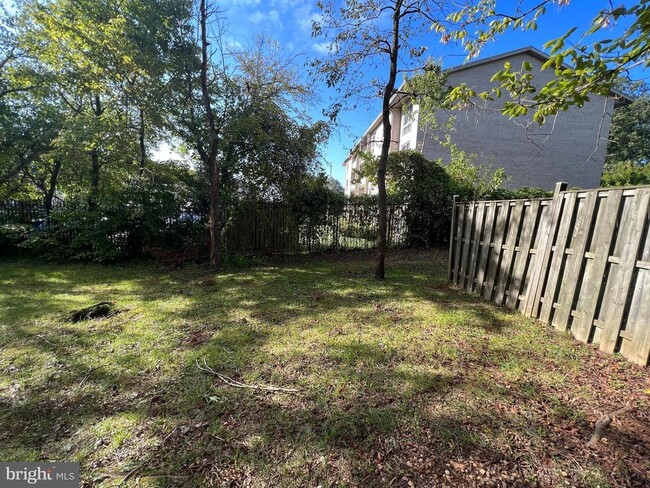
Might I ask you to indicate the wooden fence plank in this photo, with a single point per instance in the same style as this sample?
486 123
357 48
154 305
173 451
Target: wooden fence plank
497 242
485 246
452 247
639 347
517 281
467 237
509 252
574 269
473 255
639 350
616 301
534 293
553 280
459 241
593 283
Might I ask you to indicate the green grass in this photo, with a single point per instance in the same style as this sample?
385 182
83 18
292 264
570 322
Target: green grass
396 380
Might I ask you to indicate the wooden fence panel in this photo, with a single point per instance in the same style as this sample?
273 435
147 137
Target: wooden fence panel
476 243
605 230
523 253
579 261
488 232
636 337
467 236
632 227
505 267
540 271
540 227
496 248
574 270
558 257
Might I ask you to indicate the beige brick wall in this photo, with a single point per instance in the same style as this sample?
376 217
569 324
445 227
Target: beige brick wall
571 149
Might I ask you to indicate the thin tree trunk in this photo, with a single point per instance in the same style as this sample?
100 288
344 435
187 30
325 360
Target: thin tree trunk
51 190
94 180
94 159
212 161
385 147
143 149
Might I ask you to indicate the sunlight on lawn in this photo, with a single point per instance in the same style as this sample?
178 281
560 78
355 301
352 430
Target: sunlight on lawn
395 379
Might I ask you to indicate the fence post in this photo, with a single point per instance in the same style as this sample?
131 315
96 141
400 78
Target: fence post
450 271
534 293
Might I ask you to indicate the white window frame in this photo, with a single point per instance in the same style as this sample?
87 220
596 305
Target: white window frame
407 118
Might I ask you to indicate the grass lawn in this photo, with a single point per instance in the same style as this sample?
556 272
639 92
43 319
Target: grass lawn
401 383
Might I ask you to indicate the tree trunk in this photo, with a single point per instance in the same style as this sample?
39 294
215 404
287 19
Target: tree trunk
94 159
94 179
51 190
385 147
215 218
212 161
143 149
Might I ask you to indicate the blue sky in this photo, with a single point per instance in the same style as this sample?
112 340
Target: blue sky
289 23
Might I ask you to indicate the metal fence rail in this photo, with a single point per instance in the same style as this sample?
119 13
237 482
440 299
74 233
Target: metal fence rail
271 228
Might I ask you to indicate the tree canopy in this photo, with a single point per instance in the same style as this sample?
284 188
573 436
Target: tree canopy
90 88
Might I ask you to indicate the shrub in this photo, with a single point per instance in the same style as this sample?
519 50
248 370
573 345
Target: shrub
525 192
627 174
11 236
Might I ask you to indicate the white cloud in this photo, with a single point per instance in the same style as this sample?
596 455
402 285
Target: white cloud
242 3
271 17
305 22
233 44
286 4
321 47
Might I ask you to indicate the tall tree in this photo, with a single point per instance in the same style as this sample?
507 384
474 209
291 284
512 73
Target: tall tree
271 143
629 136
107 63
200 97
363 33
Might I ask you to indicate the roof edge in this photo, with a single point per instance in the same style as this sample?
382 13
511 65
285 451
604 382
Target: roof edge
620 98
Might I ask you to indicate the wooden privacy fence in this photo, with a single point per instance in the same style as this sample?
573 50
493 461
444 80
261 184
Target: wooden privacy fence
579 261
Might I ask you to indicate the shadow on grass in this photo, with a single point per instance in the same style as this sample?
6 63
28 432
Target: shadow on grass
395 378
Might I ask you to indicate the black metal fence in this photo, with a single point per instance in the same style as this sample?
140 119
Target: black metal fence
276 228
253 228
25 212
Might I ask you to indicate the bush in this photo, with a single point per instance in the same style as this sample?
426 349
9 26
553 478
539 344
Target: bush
76 234
115 233
525 192
11 236
627 174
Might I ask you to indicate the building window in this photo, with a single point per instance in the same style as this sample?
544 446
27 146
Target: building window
407 118
405 146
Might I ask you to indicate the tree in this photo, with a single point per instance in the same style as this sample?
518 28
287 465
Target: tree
104 64
202 97
364 33
629 136
87 85
590 65
209 151
270 144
